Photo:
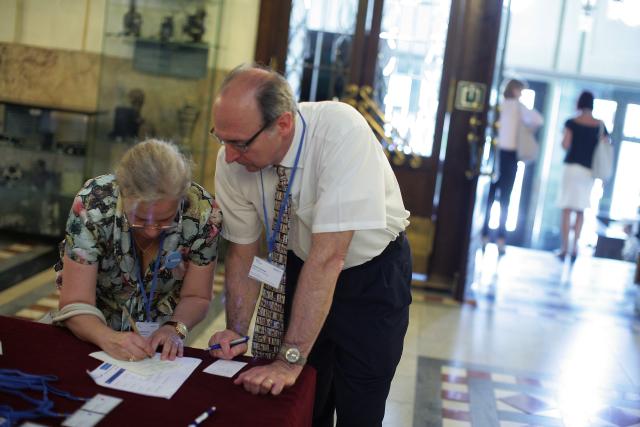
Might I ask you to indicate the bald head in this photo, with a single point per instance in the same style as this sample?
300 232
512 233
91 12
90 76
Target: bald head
256 87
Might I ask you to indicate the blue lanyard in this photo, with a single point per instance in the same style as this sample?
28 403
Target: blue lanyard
15 382
154 281
271 237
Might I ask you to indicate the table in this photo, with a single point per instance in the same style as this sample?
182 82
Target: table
43 349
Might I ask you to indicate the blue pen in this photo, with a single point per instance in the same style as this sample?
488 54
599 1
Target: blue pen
203 417
231 344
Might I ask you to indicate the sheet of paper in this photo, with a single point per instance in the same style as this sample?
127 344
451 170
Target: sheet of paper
83 419
101 404
141 367
161 384
224 368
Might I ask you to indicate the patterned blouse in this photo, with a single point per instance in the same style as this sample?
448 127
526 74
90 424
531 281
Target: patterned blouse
97 233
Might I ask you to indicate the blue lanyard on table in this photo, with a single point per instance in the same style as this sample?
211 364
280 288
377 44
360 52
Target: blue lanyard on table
271 237
15 382
147 299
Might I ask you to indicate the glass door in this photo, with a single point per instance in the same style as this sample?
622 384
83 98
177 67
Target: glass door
625 199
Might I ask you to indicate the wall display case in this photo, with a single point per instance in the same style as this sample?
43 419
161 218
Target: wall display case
154 78
157 78
42 165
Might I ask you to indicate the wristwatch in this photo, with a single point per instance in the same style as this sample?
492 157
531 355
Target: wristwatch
291 354
181 328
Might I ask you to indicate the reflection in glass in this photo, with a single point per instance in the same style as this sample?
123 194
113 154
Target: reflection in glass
319 52
410 57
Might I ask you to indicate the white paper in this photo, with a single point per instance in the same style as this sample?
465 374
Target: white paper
224 368
161 384
83 419
141 367
0 348
265 272
101 403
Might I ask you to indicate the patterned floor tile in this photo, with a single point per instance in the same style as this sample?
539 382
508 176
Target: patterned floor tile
527 403
618 417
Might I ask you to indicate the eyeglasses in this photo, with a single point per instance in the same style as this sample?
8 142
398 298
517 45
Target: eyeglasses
239 145
177 220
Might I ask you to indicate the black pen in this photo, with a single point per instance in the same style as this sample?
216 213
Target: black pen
203 417
231 344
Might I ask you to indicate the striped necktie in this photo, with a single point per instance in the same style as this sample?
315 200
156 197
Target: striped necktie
269 328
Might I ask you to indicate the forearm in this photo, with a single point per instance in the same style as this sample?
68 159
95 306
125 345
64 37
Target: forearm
191 310
89 328
241 292
315 288
312 301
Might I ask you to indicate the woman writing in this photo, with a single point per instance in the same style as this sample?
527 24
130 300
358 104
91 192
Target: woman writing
144 242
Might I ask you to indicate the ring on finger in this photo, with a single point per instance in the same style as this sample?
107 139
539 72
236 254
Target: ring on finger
132 359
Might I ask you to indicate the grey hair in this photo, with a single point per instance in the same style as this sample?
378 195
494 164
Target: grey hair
273 93
153 170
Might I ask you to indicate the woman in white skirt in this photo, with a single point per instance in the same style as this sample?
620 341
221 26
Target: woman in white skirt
581 136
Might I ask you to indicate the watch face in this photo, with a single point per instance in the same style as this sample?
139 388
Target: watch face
292 355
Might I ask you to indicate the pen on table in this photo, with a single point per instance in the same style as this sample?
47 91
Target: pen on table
132 322
203 417
231 344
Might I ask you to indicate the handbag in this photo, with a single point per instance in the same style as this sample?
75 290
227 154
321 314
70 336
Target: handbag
527 148
602 161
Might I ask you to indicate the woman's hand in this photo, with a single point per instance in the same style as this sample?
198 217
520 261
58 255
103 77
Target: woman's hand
172 344
127 346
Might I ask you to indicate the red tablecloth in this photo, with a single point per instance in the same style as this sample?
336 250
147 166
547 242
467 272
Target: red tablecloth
42 349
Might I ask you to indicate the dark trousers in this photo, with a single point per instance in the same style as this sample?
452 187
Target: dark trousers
360 344
503 186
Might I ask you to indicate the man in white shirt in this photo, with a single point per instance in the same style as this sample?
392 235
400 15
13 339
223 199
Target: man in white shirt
348 268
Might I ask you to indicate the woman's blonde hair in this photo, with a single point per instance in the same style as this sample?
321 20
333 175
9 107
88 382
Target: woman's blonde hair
153 170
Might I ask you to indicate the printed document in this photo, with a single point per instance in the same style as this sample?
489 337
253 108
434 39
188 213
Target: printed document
141 367
160 384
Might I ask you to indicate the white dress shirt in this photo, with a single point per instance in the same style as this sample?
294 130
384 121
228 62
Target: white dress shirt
343 182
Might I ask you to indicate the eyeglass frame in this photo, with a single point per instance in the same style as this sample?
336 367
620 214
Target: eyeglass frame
162 228
240 146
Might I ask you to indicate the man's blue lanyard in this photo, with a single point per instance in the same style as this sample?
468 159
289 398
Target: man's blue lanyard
147 299
271 237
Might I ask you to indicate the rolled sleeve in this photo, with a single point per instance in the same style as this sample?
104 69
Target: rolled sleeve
242 223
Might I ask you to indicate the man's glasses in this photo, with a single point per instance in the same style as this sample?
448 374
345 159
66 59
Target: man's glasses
175 222
241 146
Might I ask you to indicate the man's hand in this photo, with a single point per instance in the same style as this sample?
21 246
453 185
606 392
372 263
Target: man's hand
127 346
224 338
172 344
272 378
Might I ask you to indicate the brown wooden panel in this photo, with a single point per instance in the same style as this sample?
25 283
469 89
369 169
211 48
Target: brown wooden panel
273 33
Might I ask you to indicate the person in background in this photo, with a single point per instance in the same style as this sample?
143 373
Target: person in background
513 114
581 136
348 264
143 242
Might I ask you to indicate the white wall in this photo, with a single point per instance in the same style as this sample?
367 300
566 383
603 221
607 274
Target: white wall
610 49
80 25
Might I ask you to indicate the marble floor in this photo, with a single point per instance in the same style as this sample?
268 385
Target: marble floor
536 343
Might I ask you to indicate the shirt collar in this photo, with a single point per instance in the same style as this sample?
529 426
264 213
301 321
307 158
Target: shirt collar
289 159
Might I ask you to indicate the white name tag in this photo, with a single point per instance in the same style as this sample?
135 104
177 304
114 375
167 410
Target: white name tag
265 272
147 328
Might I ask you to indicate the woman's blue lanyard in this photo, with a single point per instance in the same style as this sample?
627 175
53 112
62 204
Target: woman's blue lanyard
147 299
271 237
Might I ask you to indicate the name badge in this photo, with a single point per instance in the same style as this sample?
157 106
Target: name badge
265 272
147 328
